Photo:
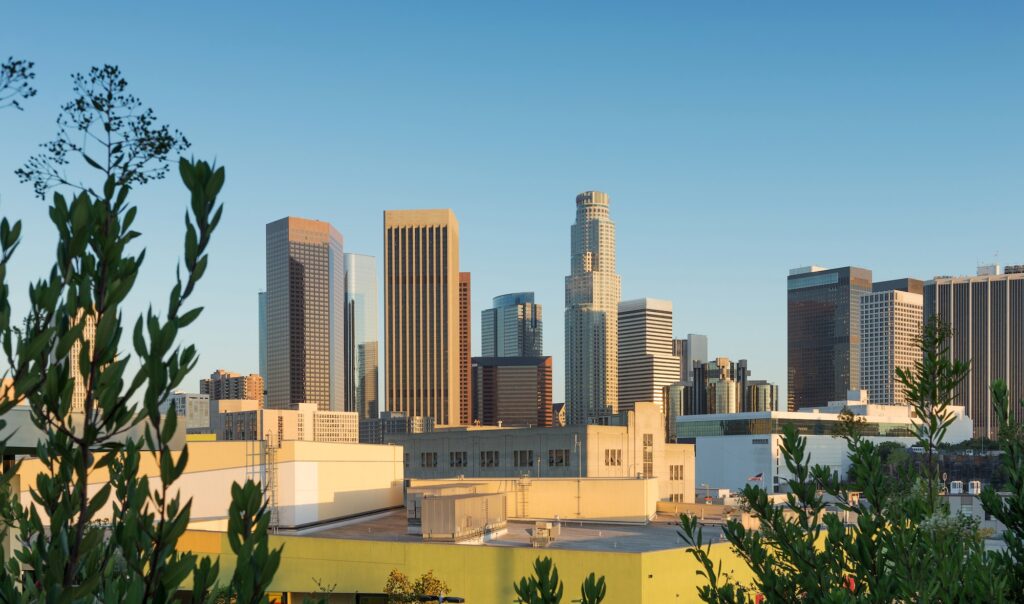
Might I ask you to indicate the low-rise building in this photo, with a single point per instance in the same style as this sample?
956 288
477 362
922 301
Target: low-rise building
634 449
378 430
305 422
745 448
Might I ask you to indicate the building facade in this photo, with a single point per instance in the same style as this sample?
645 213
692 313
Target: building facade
304 422
646 362
227 385
465 349
823 324
194 408
761 395
592 295
986 314
890 325
80 388
361 339
305 315
513 327
421 314
692 350
262 330
512 391
380 429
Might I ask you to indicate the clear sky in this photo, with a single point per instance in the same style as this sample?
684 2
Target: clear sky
737 140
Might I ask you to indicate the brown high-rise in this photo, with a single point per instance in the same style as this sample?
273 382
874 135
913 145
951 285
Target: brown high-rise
512 391
824 333
224 385
422 361
465 353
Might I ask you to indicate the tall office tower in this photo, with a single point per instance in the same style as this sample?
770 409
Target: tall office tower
761 395
305 315
646 362
465 350
986 313
421 314
513 328
719 386
262 317
512 391
592 294
905 284
361 339
890 324
78 391
694 349
824 333
225 385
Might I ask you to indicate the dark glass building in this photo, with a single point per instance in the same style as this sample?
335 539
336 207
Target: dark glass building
512 391
824 333
986 313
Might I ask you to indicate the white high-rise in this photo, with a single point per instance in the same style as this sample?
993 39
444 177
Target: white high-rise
592 293
890 324
646 362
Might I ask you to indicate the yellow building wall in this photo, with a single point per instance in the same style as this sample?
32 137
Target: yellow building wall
477 573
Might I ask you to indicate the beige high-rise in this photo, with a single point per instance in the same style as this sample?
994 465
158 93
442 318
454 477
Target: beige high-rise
421 314
88 335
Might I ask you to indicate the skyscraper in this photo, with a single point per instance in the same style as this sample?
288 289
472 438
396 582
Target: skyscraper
694 349
361 339
421 314
592 294
262 317
305 315
80 388
512 391
824 333
890 324
986 313
465 350
513 327
646 362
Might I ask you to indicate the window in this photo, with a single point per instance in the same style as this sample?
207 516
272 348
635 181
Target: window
523 458
675 472
613 457
458 459
428 459
407 460
558 457
648 455
488 459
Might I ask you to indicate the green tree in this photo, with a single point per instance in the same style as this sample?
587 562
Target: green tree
903 545
1009 511
64 551
400 589
544 586
16 76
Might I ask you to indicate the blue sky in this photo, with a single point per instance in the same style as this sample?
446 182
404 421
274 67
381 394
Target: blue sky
736 140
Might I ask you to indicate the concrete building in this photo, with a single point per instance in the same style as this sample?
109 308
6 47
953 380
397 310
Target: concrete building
636 448
890 325
743 448
823 313
646 362
194 408
592 295
421 314
226 385
512 391
262 328
513 327
465 350
986 313
80 388
305 422
361 336
692 350
305 315
378 430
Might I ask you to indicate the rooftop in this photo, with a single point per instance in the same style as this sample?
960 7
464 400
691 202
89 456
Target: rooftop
660 534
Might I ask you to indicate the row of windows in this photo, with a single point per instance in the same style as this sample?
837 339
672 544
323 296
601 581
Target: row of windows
524 458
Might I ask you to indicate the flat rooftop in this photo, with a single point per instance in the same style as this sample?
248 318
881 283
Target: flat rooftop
660 534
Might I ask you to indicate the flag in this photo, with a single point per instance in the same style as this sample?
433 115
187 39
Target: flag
756 477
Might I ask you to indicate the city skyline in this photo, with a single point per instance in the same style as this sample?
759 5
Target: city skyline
669 161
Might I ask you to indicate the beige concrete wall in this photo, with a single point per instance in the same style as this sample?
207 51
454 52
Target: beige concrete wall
589 499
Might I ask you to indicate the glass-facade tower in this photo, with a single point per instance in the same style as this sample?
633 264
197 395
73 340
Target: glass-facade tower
592 295
305 315
361 340
513 327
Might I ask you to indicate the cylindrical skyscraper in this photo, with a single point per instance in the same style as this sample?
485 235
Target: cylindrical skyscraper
592 292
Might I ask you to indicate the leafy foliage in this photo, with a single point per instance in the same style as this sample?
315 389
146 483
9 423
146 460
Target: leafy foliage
109 130
64 550
1009 510
400 589
544 586
15 78
895 543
